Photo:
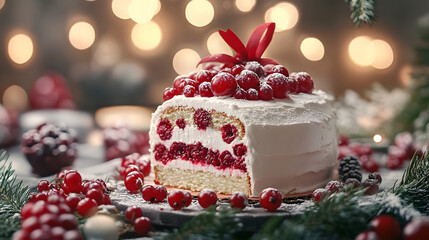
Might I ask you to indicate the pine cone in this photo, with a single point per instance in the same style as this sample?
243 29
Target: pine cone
349 168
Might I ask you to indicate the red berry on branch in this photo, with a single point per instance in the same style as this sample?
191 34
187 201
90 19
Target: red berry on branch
87 207
319 194
133 212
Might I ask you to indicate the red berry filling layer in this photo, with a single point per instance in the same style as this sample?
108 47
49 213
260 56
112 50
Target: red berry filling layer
251 81
198 154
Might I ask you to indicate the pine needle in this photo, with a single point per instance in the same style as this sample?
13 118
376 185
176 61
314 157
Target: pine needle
362 11
13 195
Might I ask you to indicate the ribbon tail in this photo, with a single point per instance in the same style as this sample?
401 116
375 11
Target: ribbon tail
221 58
262 46
265 61
234 42
255 38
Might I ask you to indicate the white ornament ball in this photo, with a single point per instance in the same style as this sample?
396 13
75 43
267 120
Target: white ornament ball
101 227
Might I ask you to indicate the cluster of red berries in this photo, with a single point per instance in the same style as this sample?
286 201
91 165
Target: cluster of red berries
198 154
403 149
250 81
362 151
133 170
141 224
371 184
385 227
49 148
120 142
49 213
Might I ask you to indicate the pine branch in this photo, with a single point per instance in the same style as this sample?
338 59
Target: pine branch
13 195
362 11
414 185
209 225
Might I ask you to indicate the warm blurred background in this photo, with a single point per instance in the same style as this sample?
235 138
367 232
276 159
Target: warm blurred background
125 52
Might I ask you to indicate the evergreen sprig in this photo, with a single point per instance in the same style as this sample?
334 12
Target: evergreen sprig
13 195
414 185
208 225
362 11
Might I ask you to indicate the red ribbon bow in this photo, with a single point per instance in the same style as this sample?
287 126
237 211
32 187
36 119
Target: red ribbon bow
252 52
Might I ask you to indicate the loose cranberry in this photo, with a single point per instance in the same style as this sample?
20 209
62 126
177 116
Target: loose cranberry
372 186
95 194
417 229
181 123
333 186
133 212
252 94
223 84
305 82
203 76
188 198
148 193
189 91
256 68
278 83
202 119
43 185
142 225
229 133
393 162
73 181
238 200
266 92
133 183
367 235
72 201
164 129
352 183
176 199
270 199
386 227
240 93
160 193
68 221
87 207
375 176
240 150
205 89
237 69
207 198
280 69
319 194
247 79
369 165
169 93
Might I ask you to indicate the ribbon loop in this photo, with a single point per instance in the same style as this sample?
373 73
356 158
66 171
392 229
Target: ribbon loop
253 51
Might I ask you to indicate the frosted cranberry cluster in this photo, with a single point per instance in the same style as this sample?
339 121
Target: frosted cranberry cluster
250 81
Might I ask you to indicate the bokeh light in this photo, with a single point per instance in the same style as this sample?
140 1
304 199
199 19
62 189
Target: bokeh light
2 2
362 51
133 117
199 12
120 8
107 53
377 138
245 5
20 48
312 49
142 11
284 14
82 35
383 54
146 36
216 44
15 98
185 60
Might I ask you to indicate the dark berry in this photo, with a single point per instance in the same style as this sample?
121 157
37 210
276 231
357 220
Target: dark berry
142 225
386 227
247 79
280 69
202 119
349 167
333 186
177 150
240 93
240 150
164 129
319 194
375 176
256 68
305 82
223 84
352 183
207 198
229 133
371 185
133 212
238 200
417 229
160 151
252 94
266 92
278 83
169 93
205 89
270 199
181 123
